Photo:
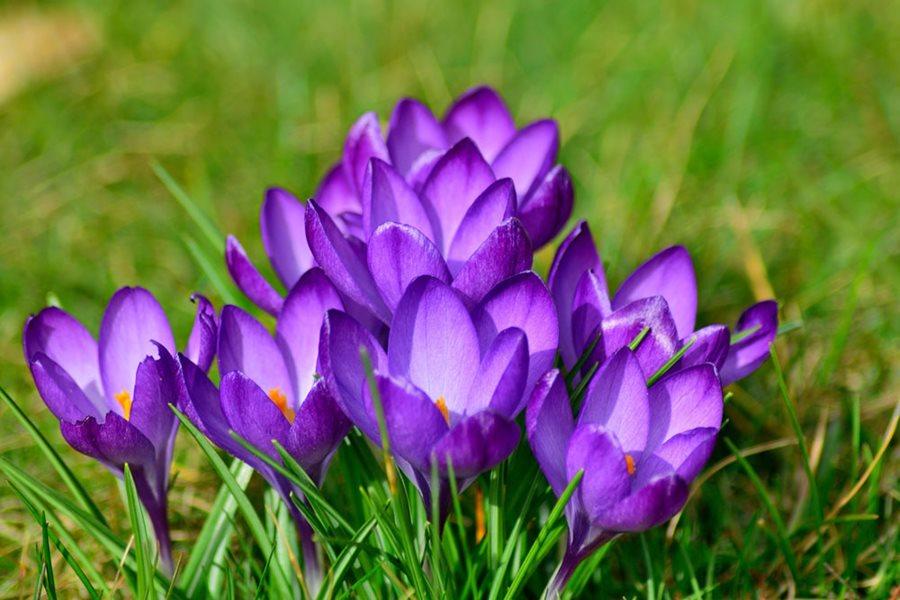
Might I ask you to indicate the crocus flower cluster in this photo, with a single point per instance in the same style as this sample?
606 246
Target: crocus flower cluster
412 310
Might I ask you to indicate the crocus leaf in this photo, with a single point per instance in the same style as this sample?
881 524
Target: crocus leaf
143 554
210 232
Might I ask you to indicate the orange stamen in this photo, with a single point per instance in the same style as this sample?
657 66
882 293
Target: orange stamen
629 464
442 406
479 515
124 400
280 400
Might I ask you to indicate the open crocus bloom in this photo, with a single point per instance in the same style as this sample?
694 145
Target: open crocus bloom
112 398
461 229
451 382
270 390
454 181
661 294
416 141
639 447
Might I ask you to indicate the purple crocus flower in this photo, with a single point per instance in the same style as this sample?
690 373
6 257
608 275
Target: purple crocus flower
416 141
451 380
639 447
660 294
112 397
270 391
454 181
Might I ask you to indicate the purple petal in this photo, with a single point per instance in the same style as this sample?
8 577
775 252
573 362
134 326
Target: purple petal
340 365
746 355
62 395
397 255
529 155
660 343
682 401
204 409
589 306
300 324
133 321
252 414
522 301
414 423
336 194
246 347
249 279
669 274
617 399
647 507
481 115
597 452
113 442
500 382
495 205
506 252
422 168
710 345
201 345
387 197
476 444
433 342
364 142
317 430
458 178
158 383
412 131
66 342
549 424
284 235
341 261
545 211
688 451
576 255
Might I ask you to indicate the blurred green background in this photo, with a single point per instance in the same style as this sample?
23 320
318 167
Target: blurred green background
761 135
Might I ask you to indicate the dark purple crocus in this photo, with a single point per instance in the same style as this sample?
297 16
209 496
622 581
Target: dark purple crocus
639 447
112 397
416 142
451 380
270 391
661 295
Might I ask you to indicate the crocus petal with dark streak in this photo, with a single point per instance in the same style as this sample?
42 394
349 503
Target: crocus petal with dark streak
597 452
549 425
528 155
284 235
252 414
364 142
746 355
494 206
623 326
201 345
246 346
506 252
412 131
387 197
481 115
477 443
501 378
545 211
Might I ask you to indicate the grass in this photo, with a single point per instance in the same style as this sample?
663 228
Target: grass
762 135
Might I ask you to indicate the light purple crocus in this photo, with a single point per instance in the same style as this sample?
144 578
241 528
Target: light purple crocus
639 448
451 381
112 398
661 294
455 182
270 390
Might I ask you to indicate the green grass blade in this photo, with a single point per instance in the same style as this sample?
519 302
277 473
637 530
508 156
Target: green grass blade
215 276
216 530
54 458
210 232
538 550
143 555
510 546
257 529
49 580
781 531
346 558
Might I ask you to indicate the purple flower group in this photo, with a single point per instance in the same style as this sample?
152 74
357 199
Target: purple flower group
415 255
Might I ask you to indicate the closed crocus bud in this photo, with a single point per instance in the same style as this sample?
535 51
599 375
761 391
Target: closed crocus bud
112 398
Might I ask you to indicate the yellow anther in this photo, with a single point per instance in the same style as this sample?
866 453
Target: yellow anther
629 464
442 406
280 400
124 400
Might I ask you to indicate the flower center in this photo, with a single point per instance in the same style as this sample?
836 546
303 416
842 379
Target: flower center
442 406
280 400
629 464
124 400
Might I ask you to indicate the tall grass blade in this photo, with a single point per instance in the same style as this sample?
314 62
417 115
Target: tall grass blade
143 555
210 232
